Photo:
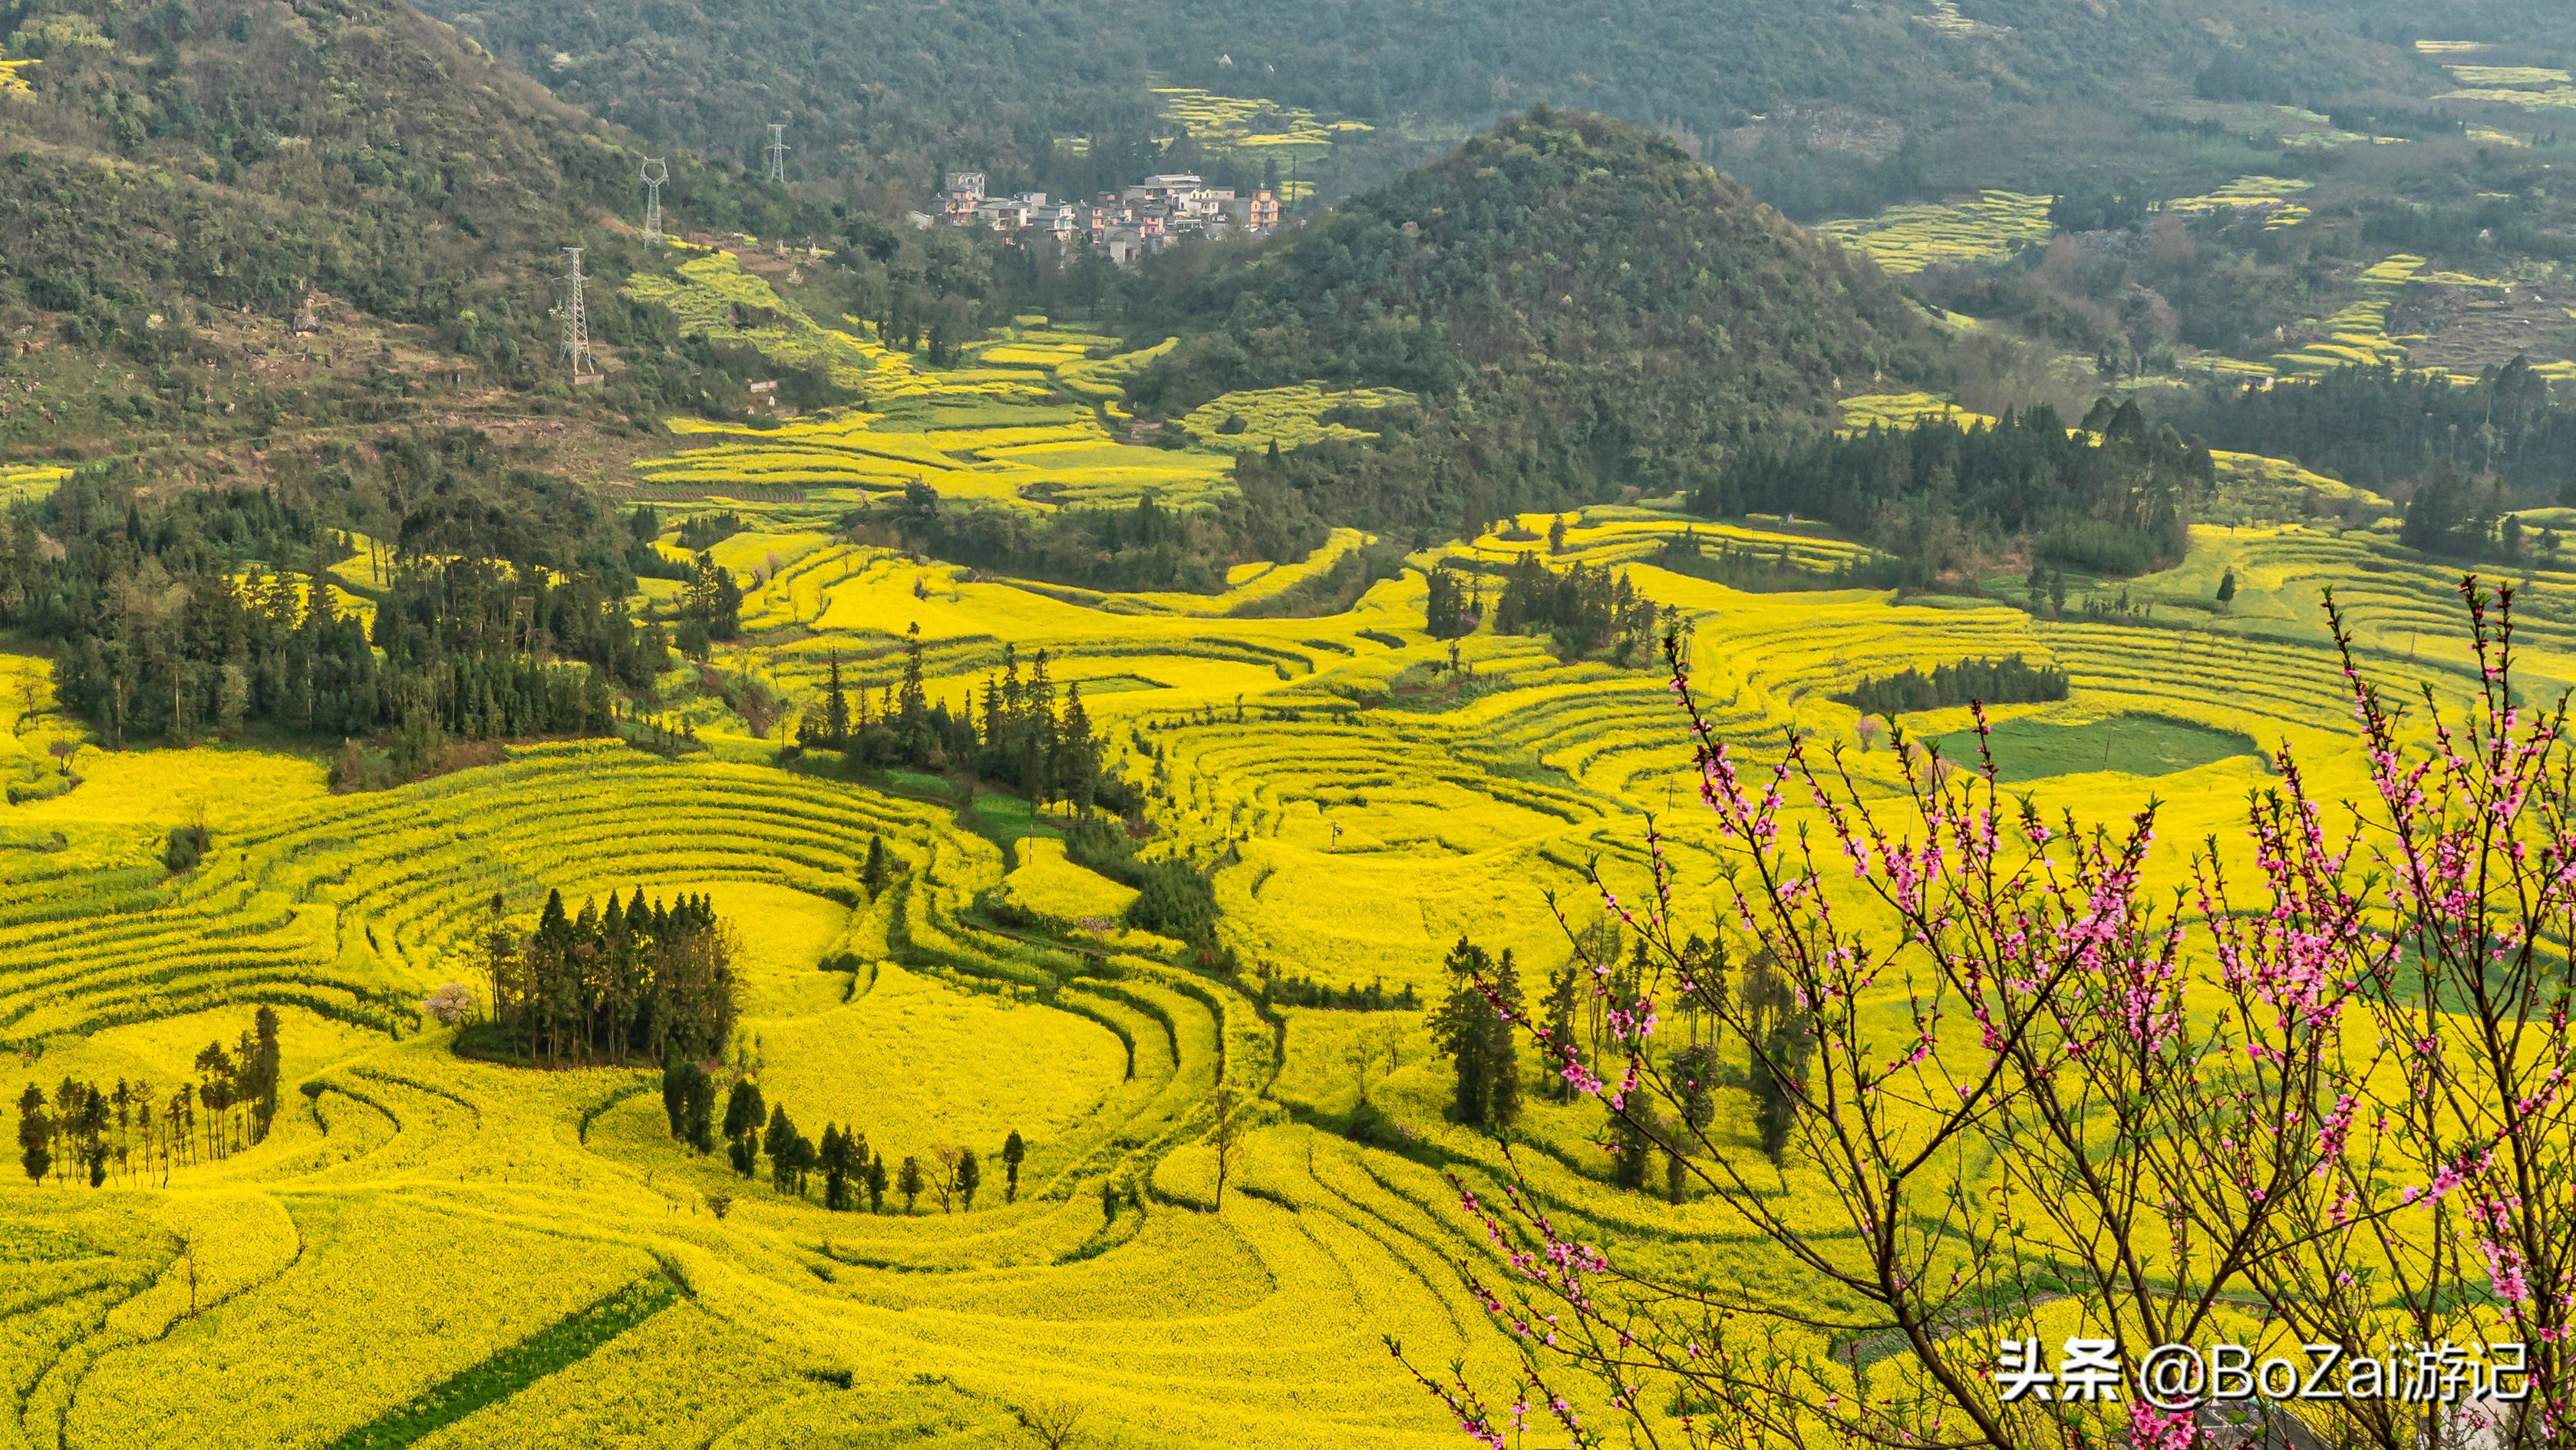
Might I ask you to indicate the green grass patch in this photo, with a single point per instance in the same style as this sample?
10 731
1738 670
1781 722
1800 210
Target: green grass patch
565 1343
1007 818
1120 685
2143 745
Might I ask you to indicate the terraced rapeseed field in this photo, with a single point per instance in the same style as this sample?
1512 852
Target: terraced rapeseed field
544 1264
1243 125
19 481
1907 239
2267 194
1248 422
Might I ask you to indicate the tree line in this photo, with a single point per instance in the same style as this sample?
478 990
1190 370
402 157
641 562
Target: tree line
1305 991
1938 492
1146 546
1584 610
2379 426
84 1131
1580 1023
754 1128
1749 569
2010 680
632 979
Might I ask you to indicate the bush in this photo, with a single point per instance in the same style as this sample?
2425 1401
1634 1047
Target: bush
185 848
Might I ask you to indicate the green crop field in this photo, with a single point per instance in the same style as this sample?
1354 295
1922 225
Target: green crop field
2033 747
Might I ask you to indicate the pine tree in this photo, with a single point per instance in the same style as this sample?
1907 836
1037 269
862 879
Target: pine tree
1076 757
970 1176
1560 1023
909 1183
698 1119
834 1159
1477 1038
875 1179
774 1138
873 875
744 1111
675 1090
261 1071
1013 1151
779 1142
836 709
1775 1072
35 1134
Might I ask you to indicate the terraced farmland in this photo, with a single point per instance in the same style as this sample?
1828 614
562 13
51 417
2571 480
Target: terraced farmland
1907 239
544 1264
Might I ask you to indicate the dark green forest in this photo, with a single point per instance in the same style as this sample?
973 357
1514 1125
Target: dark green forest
1937 494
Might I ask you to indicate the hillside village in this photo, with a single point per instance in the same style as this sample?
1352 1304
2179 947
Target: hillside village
1135 221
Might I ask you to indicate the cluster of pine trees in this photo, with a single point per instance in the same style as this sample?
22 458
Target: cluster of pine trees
1305 991
1452 606
606 985
1475 1028
2010 680
213 609
754 1128
710 607
83 1130
1584 610
2120 507
1020 736
1173 898
2374 427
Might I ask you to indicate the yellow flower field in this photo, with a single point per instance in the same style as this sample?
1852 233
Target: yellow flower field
1906 239
1357 805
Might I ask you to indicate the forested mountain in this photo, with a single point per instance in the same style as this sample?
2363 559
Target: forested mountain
188 162
881 95
1581 306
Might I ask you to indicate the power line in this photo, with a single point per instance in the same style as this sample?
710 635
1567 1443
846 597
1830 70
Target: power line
777 153
655 171
576 321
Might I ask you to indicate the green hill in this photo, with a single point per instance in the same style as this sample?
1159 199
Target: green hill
1580 305
177 181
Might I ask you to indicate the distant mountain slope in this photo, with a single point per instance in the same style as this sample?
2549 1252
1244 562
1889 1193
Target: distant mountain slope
175 166
1581 305
883 94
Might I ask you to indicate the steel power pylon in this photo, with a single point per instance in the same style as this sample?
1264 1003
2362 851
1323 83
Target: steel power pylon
777 153
655 171
576 320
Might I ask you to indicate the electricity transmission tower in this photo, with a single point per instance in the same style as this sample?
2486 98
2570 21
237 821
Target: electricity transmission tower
576 322
777 153
655 172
